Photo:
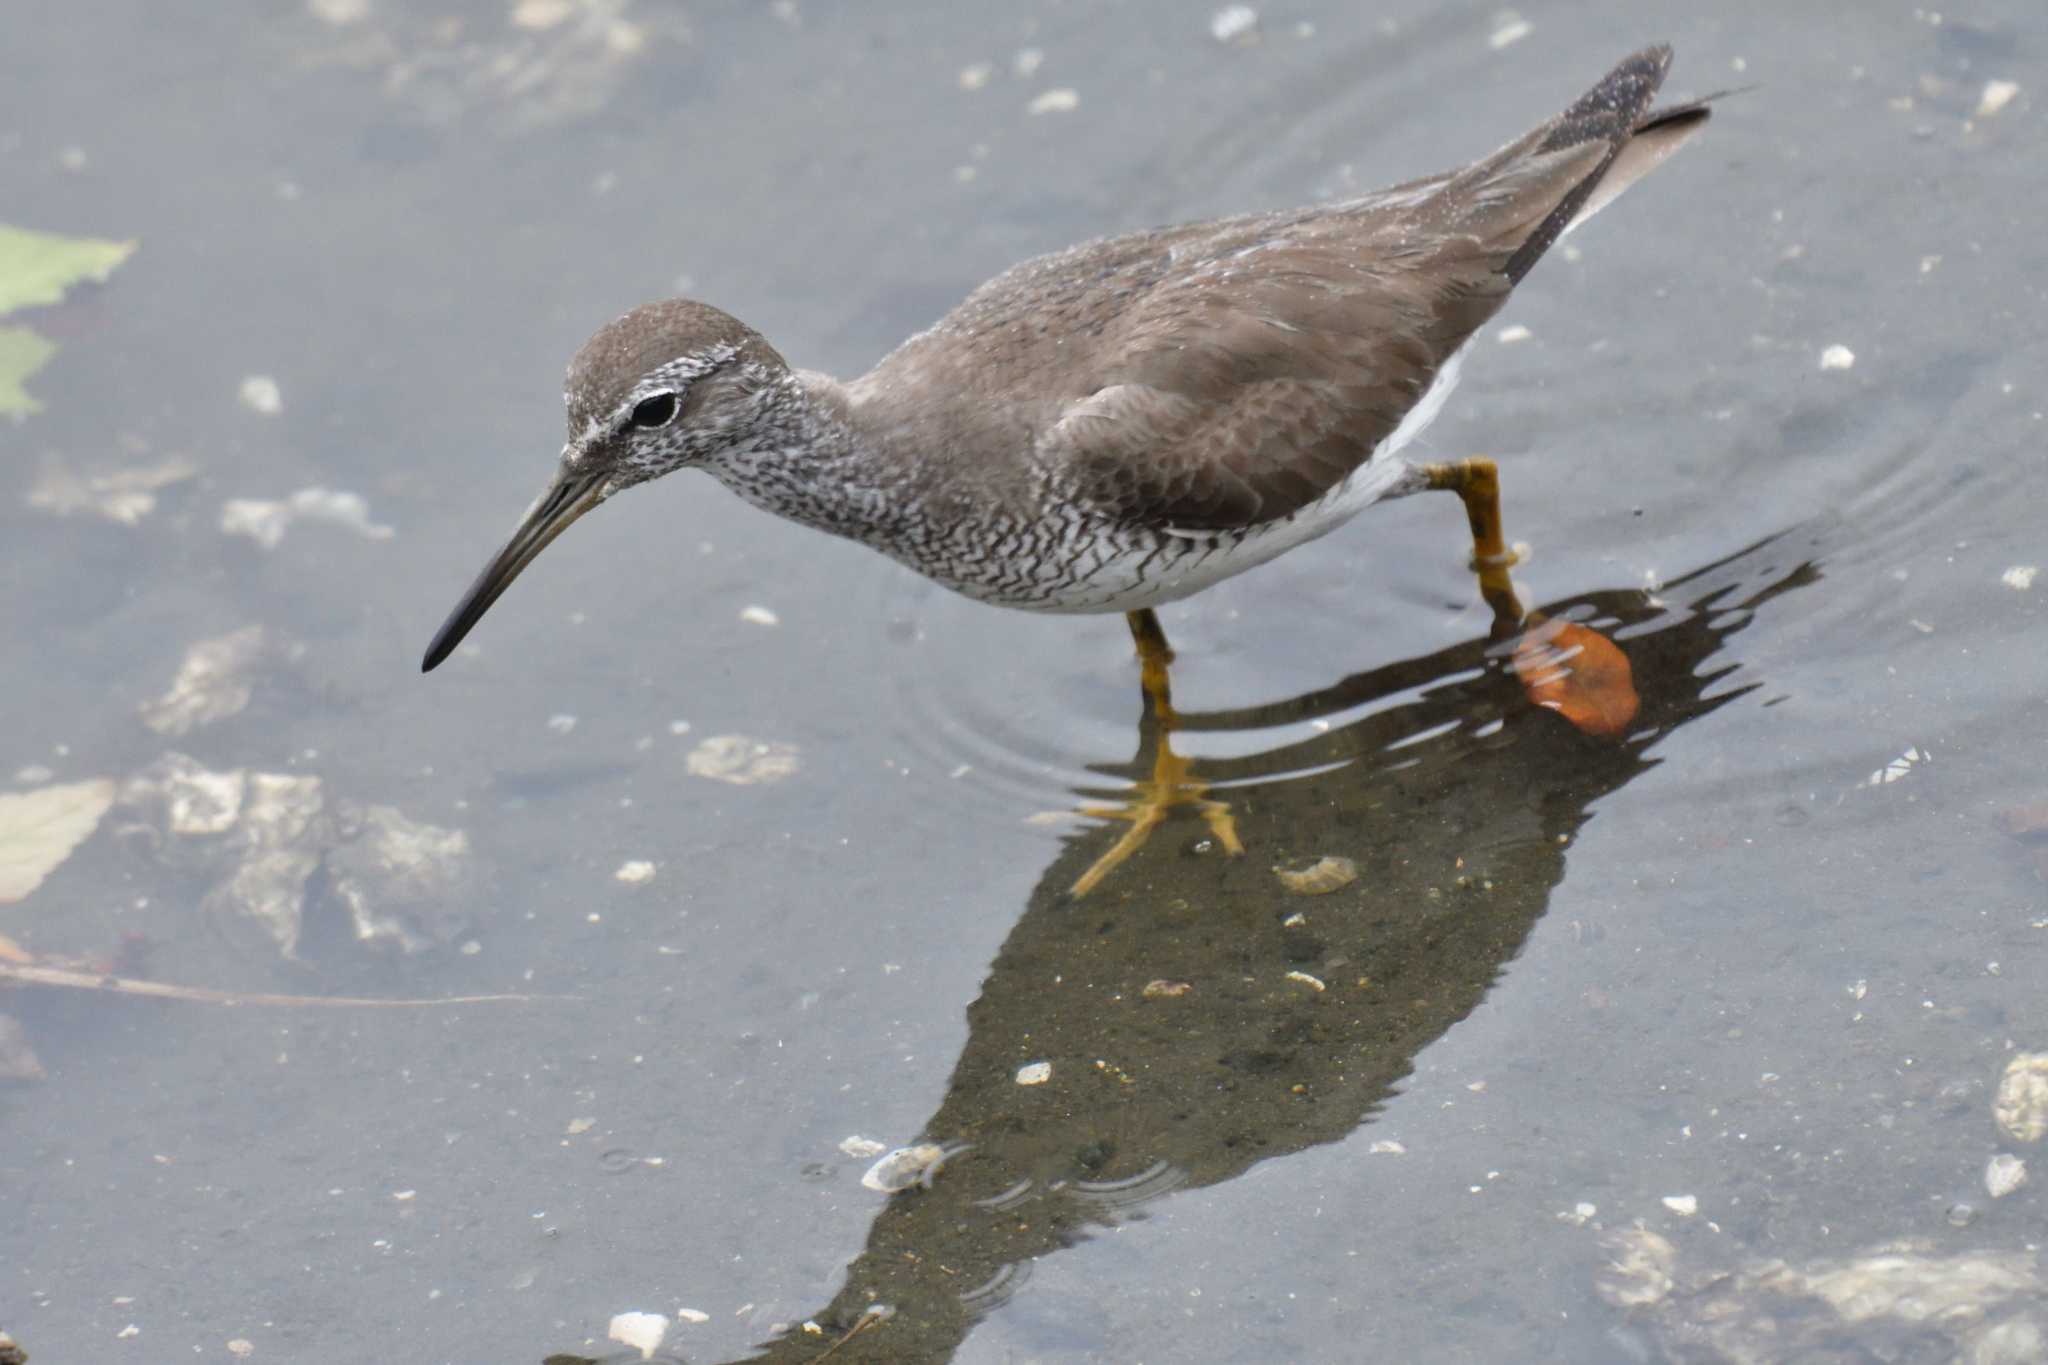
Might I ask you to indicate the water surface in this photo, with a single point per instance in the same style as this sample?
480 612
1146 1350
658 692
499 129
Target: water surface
1751 960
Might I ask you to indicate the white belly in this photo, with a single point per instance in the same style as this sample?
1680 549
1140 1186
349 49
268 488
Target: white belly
1147 575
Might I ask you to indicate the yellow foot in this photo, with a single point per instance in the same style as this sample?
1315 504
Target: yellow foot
1172 784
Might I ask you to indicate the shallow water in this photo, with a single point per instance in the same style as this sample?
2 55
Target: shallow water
1750 957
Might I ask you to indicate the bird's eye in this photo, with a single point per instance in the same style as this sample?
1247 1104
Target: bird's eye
657 411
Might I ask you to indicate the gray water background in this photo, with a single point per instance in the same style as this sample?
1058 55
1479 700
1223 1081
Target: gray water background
412 226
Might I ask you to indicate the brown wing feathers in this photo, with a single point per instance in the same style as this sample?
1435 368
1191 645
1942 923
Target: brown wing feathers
1246 387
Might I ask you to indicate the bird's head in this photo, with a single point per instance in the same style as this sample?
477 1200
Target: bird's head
665 387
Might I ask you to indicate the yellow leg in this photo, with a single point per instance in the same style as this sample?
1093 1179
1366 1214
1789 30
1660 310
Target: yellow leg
1172 783
1477 483
1564 667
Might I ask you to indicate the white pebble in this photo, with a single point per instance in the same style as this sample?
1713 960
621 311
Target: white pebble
1235 24
1997 94
858 1146
261 394
1684 1205
1508 27
1387 1147
1837 357
693 1315
1305 979
2004 1174
759 616
1058 100
643 1331
635 871
1034 1073
1508 336
2020 577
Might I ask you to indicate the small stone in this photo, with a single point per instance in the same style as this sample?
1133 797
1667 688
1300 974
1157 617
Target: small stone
1058 100
2003 1174
635 871
857 1146
642 1331
1162 989
1235 24
2021 1108
759 616
1997 94
693 1315
1684 1205
260 393
1034 1073
1305 979
2020 577
1387 1147
1508 336
1837 357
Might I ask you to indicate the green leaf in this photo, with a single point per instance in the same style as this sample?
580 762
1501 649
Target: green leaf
37 267
22 353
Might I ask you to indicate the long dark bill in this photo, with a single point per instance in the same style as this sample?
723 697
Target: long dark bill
569 497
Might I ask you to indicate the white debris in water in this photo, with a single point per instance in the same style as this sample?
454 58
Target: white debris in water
1508 336
1579 1214
642 1331
907 1166
693 1315
1684 1205
266 522
541 14
1837 357
1387 1147
2021 1108
125 495
212 684
1309 981
976 76
1060 99
260 393
1997 94
635 871
1235 24
1027 61
40 828
742 761
2004 1174
339 12
858 1146
2020 577
1898 767
759 616
1508 28
562 723
1034 1073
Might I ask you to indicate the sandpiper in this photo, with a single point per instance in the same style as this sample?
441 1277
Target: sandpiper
1121 424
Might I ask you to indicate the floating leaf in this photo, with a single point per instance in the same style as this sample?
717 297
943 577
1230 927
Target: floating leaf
38 830
22 353
37 267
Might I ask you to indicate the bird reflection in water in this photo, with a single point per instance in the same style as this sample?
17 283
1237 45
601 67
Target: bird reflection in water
1266 1030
